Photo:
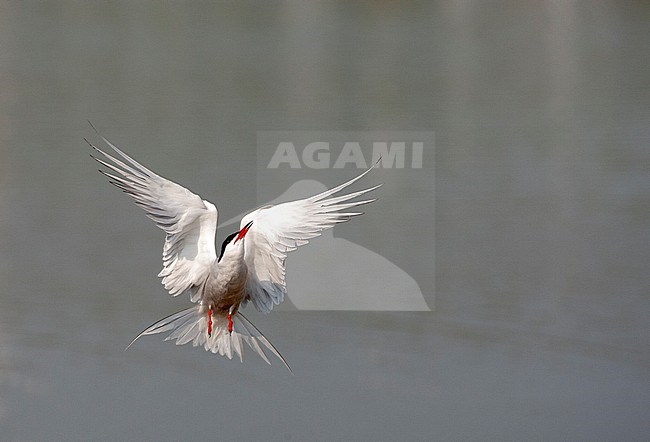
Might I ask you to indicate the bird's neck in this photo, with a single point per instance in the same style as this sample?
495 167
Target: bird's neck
231 263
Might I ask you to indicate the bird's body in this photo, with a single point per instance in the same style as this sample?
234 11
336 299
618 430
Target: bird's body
226 290
251 264
225 287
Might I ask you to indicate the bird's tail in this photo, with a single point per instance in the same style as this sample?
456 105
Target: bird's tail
195 326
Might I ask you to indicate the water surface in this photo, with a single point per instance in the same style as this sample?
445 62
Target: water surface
540 278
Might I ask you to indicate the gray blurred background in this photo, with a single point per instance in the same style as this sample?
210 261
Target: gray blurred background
541 112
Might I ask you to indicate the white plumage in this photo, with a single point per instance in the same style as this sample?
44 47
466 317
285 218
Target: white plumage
252 265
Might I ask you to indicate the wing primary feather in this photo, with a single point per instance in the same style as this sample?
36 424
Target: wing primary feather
349 196
338 188
144 173
133 177
122 154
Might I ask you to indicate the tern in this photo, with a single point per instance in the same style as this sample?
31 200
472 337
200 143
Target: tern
250 266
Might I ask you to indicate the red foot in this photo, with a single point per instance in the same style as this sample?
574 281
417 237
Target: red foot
229 323
209 322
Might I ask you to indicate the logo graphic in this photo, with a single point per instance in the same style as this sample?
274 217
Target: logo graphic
334 272
317 155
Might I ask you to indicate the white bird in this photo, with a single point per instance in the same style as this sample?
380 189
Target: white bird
250 266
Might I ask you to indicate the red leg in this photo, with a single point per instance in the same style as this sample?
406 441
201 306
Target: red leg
209 322
229 322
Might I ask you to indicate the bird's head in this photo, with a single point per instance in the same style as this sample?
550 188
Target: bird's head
233 245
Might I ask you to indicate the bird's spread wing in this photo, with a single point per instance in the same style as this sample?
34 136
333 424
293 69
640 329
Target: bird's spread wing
189 222
280 229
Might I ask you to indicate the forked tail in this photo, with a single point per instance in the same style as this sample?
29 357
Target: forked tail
191 325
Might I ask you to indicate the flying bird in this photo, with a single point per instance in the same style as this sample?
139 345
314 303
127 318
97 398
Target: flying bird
250 266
